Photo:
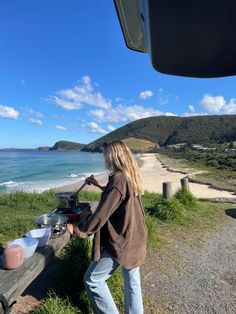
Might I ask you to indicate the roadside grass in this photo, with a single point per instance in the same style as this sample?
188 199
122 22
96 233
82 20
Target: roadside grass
190 220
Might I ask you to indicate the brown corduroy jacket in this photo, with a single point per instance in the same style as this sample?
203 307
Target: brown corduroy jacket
118 224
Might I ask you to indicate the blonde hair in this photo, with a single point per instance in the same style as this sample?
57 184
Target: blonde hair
118 157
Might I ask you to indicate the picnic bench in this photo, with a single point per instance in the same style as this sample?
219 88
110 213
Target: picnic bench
14 282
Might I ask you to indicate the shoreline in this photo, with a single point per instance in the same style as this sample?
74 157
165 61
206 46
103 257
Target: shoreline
153 174
73 187
101 177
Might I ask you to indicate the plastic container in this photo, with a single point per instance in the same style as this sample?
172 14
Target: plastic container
42 235
29 245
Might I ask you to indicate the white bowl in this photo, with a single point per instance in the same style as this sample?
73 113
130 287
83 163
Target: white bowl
42 235
29 245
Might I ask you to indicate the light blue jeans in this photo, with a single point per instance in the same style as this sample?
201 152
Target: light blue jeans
99 294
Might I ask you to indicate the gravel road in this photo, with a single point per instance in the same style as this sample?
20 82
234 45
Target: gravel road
196 281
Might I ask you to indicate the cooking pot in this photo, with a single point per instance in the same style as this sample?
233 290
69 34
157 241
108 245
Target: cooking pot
56 221
69 199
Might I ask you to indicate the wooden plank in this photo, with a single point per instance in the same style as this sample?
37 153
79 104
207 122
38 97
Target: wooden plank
14 282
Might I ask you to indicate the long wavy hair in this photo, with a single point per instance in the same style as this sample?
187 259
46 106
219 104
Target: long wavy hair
118 157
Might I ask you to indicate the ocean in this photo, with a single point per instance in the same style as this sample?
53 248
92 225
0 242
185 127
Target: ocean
35 171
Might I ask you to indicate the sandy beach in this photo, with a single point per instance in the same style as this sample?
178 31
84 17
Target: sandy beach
153 174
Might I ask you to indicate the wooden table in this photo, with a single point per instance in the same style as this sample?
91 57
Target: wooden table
14 282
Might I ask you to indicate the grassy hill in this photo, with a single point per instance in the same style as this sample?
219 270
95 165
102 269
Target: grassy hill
164 130
140 145
65 145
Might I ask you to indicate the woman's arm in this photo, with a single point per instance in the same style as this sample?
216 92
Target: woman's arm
106 207
92 180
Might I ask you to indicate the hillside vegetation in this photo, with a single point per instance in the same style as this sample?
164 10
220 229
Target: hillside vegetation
140 145
164 131
148 134
65 145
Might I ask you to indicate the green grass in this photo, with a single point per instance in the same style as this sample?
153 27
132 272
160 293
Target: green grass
186 198
182 218
221 176
75 259
53 304
222 179
18 211
89 196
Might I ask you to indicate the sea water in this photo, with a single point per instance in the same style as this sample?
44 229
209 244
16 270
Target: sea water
36 171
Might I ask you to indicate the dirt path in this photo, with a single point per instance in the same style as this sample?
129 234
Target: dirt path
153 175
199 281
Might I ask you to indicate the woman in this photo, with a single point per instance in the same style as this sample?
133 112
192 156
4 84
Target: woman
119 232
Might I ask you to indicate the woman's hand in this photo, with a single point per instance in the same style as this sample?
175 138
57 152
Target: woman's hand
70 228
74 231
91 180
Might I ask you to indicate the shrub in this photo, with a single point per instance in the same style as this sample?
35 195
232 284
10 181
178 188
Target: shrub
185 197
149 200
168 209
213 163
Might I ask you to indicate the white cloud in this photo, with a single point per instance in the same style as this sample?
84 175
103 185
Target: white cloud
110 128
80 95
60 127
8 112
218 105
95 128
191 108
213 104
124 113
163 98
145 94
230 108
36 121
170 114
35 113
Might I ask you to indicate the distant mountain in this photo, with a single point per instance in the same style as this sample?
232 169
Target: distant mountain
163 130
65 145
44 148
17 149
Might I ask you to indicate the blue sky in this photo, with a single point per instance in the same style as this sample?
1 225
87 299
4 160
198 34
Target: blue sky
65 73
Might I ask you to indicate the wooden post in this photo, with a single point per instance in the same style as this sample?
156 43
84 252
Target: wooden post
167 189
184 183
